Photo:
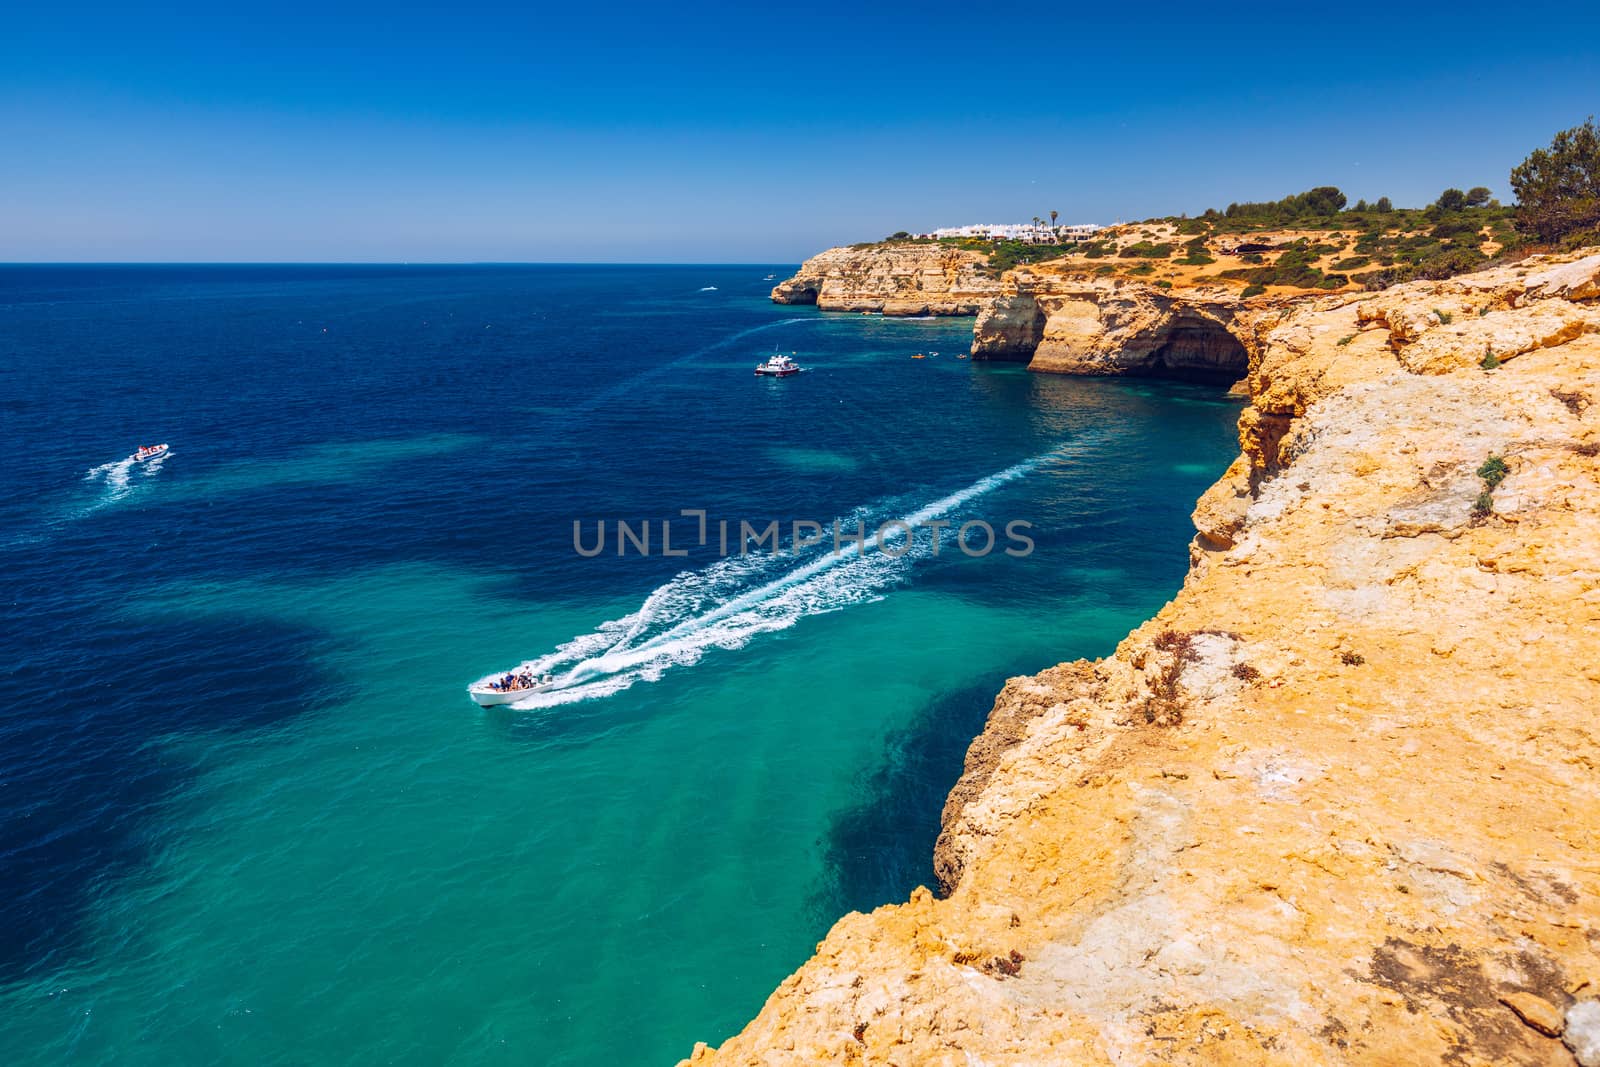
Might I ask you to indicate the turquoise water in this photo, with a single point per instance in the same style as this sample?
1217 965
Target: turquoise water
249 814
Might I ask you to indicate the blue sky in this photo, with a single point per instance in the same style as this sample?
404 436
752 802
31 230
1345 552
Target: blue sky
752 133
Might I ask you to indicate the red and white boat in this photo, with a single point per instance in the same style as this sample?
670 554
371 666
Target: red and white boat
149 452
778 367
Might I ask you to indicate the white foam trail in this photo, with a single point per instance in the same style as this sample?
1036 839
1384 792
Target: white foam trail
729 603
661 368
115 478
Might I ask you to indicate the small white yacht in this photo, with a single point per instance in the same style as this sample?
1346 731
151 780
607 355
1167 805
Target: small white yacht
149 452
507 688
778 367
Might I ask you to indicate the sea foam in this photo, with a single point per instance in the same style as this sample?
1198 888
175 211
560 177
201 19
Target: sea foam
731 602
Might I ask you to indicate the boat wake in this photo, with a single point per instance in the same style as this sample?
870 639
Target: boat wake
735 600
605 396
117 480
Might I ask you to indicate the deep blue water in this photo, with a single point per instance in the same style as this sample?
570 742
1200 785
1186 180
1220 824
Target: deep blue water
246 812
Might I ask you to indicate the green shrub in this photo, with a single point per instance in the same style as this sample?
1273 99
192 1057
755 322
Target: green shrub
1493 471
1352 263
1146 250
1253 289
1346 339
1444 317
1490 360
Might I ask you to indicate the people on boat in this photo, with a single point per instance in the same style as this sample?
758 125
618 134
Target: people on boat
514 681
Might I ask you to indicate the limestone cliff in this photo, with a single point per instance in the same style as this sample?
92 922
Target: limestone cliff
1078 323
895 279
1339 802
1056 318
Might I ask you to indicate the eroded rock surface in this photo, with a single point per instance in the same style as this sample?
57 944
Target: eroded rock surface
898 279
1076 323
1339 802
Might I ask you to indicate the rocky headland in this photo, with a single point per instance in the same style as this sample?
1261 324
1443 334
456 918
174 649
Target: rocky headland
1071 322
1055 317
1339 801
894 279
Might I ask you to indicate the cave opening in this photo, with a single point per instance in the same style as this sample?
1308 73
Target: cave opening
1198 350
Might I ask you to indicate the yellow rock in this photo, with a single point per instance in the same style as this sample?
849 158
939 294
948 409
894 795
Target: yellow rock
895 279
1340 800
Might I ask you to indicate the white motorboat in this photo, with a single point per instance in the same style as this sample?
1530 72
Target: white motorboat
149 452
778 367
507 688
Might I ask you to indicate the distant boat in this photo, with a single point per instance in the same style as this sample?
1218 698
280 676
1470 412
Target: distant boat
507 688
778 367
770 277
708 288
148 452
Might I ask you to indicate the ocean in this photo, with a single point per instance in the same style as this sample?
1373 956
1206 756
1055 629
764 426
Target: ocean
248 814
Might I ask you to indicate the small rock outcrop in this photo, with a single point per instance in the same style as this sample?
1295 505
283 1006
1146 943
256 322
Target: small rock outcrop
1339 801
894 279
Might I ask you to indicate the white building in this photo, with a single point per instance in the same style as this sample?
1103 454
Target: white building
1031 233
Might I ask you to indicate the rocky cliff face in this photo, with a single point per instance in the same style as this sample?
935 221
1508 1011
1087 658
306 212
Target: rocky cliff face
898 279
1055 319
1340 800
1068 323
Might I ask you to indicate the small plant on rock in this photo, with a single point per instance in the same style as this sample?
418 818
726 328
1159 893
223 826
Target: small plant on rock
1165 704
1352 659
1575 401
1346 339
1445 318
1493 471
1245 673
1490 361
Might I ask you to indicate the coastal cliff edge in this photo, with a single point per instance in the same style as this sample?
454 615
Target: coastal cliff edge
1339 801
